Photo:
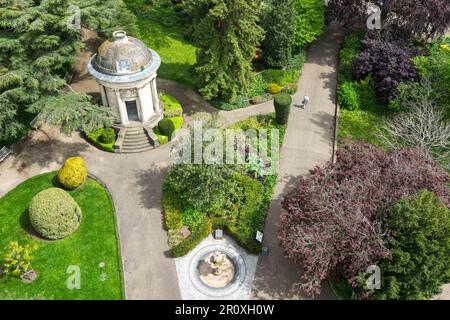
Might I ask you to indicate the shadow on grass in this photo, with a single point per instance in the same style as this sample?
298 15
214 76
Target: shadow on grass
26 226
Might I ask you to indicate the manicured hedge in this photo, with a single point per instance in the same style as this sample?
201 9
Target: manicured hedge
108 136
162 139
172 210
193 240
282 104
170 126
95 139
54 214
73 173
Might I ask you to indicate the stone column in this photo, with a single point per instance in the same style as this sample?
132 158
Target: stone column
121 107
145 102
155 97
103 94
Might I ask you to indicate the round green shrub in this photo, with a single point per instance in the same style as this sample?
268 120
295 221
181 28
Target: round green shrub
170 126
348 96
282 102
54 214
108 136
73 173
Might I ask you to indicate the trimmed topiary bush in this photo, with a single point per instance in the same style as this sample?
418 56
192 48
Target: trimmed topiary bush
170 126
94 139
108 136
73 173
282 104
54 214
162 139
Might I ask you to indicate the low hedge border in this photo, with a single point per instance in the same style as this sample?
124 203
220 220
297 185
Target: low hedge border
193 240
92 138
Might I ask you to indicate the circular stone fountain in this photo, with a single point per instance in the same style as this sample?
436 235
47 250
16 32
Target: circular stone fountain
216 270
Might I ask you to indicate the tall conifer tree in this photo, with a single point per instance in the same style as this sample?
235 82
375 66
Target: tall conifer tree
228 34
280 33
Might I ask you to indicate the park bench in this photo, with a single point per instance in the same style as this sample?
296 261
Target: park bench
4 152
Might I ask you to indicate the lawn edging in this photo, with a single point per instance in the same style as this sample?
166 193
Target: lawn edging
103 184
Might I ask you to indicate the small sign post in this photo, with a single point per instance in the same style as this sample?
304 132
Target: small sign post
259 236
218 234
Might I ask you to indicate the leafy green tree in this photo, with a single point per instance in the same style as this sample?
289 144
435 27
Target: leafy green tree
228 34
310 21
204 187
107 16
72 112
420 262
38 43
280 34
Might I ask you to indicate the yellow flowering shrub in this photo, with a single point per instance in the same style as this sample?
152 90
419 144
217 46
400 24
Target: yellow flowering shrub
273 88
445 47
17 259
73 173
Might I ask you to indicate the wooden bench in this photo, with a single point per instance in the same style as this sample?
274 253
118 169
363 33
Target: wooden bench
4 152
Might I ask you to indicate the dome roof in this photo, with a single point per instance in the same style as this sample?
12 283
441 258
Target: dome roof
122 55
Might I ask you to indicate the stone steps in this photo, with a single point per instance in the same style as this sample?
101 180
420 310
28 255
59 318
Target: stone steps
136 140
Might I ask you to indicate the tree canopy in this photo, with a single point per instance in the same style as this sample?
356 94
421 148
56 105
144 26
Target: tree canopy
228 34
420 262
333 220
399 18
309 21
38 43
279 25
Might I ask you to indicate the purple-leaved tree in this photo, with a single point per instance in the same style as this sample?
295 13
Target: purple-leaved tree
332 221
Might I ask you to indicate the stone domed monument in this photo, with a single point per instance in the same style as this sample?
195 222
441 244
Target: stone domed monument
125 70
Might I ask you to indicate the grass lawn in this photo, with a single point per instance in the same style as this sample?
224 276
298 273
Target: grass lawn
95 241
160 31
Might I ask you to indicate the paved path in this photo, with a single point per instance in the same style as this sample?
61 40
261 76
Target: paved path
308 143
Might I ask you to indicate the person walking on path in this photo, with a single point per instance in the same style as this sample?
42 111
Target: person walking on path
305 102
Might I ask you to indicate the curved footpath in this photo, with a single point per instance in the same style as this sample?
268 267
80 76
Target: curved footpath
134 180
